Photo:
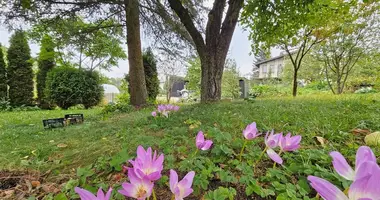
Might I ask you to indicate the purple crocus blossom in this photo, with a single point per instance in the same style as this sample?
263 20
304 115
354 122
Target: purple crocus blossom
86 195
138 188
148 165
182 188
251 132
272 140
274 156
363 188
154 113
201 143
341 166
289 143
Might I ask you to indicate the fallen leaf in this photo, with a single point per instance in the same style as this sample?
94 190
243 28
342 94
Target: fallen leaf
373 139
361 131
322 141
62 145
35 184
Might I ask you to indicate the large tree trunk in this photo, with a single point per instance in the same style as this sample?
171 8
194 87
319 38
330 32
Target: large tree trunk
137 83
212 72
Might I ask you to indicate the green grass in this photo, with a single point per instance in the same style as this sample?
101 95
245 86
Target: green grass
24 144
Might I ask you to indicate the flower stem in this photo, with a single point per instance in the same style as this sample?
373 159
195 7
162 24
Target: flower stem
261 155
242 150
154 195
274 164
195 153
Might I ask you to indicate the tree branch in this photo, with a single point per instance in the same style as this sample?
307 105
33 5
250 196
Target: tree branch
186 20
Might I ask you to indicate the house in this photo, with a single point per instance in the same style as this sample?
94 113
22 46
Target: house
271 68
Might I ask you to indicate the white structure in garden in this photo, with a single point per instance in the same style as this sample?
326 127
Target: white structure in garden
110 93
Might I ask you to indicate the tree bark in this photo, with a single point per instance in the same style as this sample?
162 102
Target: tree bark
295 84
137 83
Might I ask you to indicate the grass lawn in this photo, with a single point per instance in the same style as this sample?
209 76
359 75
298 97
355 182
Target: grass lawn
24 144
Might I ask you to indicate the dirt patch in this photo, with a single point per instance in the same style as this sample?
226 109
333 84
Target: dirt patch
23 184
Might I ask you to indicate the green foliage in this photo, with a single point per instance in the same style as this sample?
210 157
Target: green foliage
221 194
106 144
97 48
312 70
3 77
194 75
66 86
20 73
230 80
151 75
46 62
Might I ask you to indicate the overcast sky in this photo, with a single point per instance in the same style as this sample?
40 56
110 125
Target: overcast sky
239 50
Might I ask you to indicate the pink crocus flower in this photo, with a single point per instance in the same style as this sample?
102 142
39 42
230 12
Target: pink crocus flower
364 188
251 132
289 143
154 113
86 195
176 108
138 188
341 166
201 143
272 140
182 188
148 165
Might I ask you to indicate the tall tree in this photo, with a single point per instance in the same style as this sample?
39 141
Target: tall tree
341 52
20 72
151 75
3 77
137 83
293 26
212 49
46 62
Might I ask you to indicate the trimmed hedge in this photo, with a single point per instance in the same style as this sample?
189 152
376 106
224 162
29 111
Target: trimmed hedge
67 86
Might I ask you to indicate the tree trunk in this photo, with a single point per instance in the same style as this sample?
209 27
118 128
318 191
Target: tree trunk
137 83
212 72
295 84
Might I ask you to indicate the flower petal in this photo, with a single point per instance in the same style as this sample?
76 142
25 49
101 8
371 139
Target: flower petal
84 194
189 179
327 190
341 166
366 186
206 145
274 156
173 180
128 190
108 195
199 139
364 154
100 194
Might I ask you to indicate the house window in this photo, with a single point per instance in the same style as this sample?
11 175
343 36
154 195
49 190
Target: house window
264 69
279 70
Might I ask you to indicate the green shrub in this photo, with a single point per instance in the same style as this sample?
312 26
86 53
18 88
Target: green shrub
117 107
5 105
3 76
151 75
66 87
20 73
92 90
45 64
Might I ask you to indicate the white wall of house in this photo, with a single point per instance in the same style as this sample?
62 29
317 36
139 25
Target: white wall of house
271 69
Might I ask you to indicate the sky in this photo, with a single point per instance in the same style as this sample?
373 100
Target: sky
240 49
